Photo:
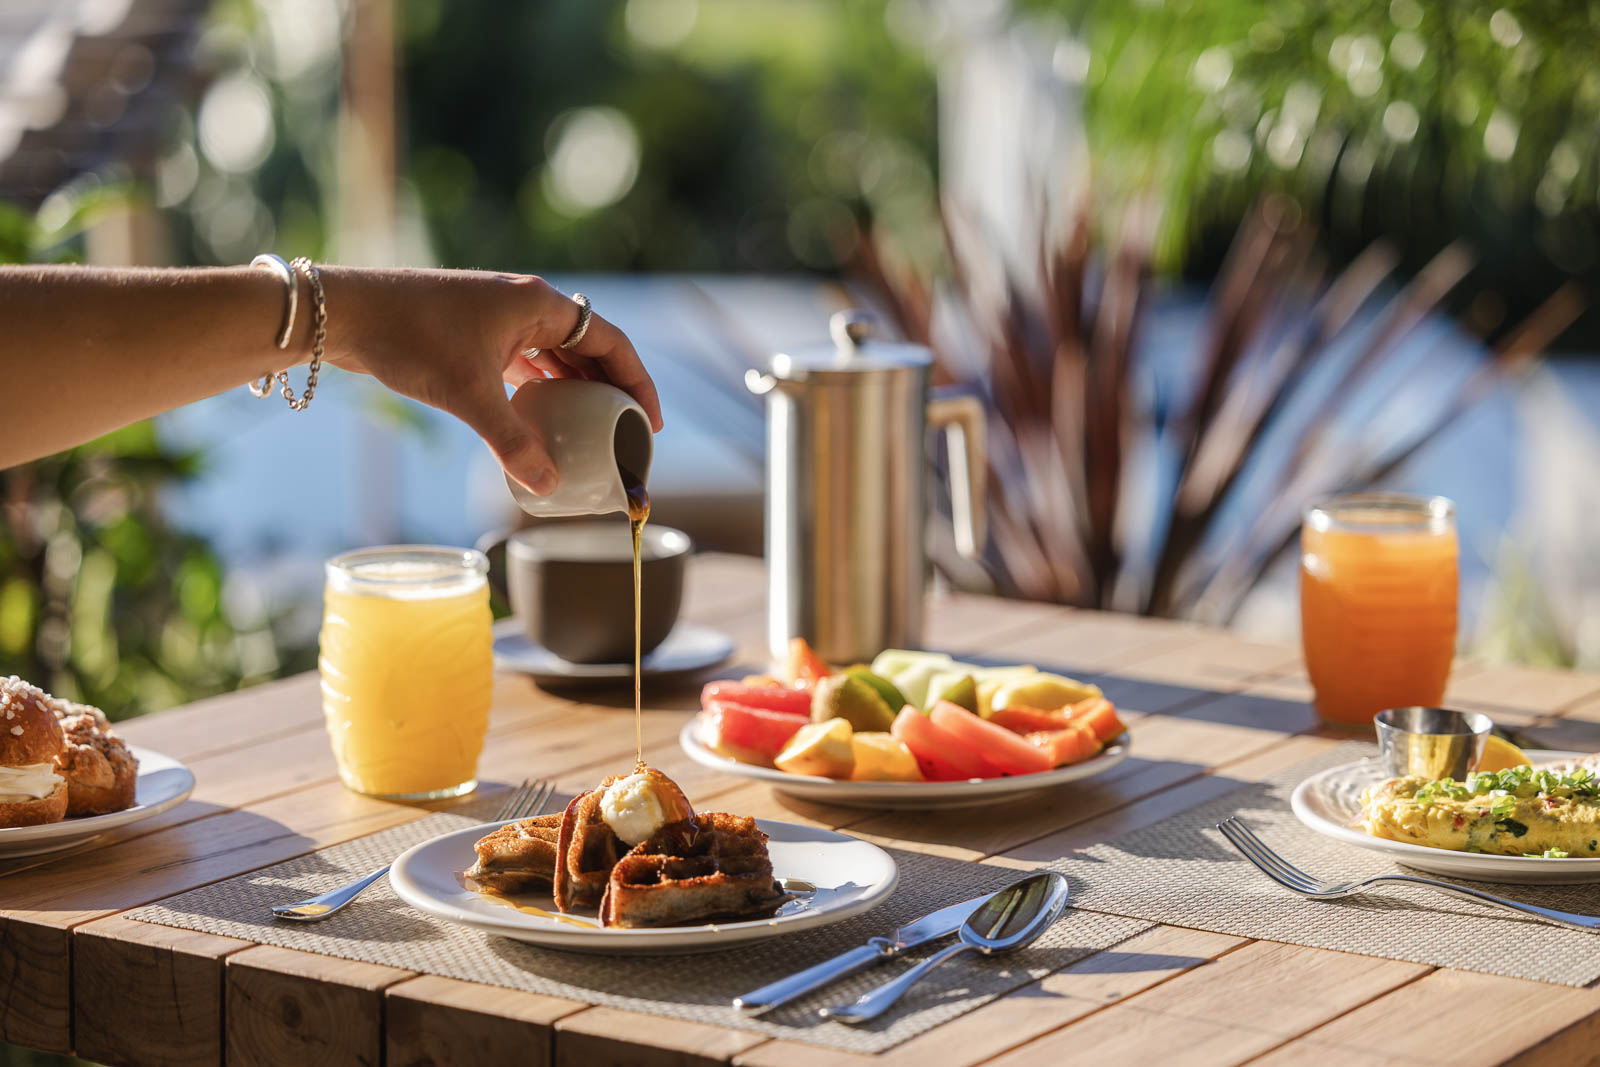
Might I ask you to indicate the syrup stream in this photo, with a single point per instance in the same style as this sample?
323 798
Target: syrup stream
638 515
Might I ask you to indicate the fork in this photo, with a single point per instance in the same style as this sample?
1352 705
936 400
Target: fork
1295 880
527 800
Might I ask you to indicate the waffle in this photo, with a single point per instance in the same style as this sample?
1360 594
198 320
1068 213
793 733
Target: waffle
715 868
587 850
519 856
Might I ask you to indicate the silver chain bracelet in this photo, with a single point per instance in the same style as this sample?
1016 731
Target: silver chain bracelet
319 326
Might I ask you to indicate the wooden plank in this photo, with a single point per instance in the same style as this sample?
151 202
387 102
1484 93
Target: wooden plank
1459 1017
1504 688
431 1021
35 987
285 1006
601 1037
148 994
1244 1003
963 624
1082 643
230 721
1081 989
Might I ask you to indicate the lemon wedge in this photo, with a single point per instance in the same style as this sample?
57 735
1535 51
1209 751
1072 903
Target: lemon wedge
1501 755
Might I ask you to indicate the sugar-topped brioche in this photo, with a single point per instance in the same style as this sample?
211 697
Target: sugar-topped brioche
31 791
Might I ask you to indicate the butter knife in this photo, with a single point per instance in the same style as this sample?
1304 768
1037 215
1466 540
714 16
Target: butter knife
930 927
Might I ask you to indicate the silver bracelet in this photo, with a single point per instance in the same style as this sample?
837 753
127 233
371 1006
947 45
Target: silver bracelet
291 304
319 334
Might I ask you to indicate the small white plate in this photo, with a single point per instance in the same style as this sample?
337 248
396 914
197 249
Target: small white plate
897 795
1327 802
163 783
690 647
851 876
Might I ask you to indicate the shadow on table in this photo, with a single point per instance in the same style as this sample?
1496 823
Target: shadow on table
1573 735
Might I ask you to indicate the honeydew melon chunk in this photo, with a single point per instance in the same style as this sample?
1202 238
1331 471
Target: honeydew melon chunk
956 686
910 671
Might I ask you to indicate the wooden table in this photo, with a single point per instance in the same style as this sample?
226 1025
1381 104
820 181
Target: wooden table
76 975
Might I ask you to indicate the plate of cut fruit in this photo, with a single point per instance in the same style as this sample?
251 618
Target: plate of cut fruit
909 730
629 867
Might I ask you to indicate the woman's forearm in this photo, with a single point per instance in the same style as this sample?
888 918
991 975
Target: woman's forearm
84 350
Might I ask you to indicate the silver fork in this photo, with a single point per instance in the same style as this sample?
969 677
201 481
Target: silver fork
527 800
1294 879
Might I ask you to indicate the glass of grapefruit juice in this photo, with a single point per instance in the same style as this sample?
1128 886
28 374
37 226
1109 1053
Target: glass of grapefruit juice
1377 603
407 669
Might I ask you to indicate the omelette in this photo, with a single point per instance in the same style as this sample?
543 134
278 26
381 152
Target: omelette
1518 812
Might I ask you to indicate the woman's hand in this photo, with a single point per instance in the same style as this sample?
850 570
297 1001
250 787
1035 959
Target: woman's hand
454 339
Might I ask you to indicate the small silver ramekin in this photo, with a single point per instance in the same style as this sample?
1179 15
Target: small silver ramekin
1431 742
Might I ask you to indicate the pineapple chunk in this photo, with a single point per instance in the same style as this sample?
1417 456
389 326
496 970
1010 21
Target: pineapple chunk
883 757
822 749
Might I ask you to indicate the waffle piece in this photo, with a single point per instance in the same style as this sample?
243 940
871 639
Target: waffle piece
586 851
714 868
519 856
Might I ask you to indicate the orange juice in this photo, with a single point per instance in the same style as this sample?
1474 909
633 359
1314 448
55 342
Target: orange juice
407 669
1377 603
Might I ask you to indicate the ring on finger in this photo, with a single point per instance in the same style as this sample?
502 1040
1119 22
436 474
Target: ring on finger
585 312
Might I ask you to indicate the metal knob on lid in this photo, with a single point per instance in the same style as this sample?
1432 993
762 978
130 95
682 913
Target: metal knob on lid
847 488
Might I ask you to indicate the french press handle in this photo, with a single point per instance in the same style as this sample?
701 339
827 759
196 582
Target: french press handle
962 419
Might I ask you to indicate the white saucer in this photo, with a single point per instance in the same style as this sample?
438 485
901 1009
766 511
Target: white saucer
901 795
163 783
1327 802
689 648
851 877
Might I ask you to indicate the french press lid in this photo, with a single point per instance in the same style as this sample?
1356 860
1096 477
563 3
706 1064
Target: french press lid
854 350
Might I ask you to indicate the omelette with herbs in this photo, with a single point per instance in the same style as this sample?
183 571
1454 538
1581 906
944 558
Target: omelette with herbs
1516 812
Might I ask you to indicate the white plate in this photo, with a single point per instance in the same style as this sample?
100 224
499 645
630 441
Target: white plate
689 648
851 876
163 783
1327 802
896 795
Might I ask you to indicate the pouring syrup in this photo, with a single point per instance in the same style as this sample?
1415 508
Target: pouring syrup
638 515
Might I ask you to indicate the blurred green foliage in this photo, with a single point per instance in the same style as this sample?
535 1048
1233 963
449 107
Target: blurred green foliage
758 134
660 135
1421 122
101 600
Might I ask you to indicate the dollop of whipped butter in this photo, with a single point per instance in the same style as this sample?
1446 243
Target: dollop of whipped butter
28 782
634 809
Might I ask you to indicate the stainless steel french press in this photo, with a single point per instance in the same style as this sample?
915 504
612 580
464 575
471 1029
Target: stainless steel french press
847 489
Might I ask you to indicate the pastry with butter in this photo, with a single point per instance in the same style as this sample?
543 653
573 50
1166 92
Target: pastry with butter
31 790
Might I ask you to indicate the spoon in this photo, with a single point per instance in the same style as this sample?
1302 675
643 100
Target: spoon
1012 918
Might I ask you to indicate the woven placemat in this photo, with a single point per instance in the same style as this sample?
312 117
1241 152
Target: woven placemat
378 928
1182 871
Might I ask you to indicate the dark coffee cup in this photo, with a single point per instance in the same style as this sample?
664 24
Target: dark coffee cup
570 585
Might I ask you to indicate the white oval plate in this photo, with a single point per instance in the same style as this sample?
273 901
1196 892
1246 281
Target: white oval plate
851 876
163 783
896 795
1327 802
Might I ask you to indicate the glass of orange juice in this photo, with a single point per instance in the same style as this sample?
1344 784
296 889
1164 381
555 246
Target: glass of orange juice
407 669
1377 603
